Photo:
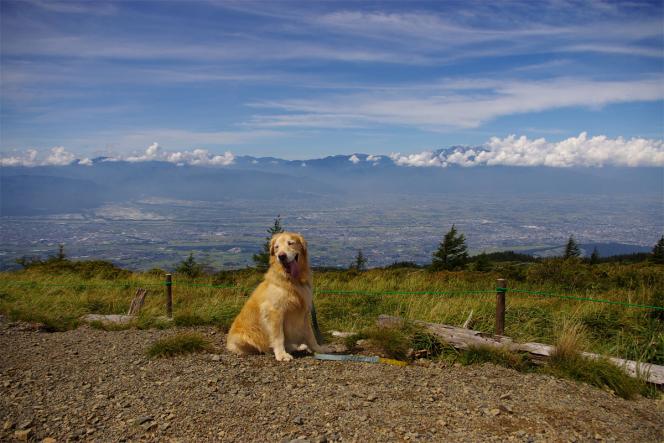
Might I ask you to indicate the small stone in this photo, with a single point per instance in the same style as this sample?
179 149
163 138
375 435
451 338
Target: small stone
363 418
441 423
494 411
298 421
215 357
149 426
49 440
23 434
26 424
7 425
143 419
372 397
507 396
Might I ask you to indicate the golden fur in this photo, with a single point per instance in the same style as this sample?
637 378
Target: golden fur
276 316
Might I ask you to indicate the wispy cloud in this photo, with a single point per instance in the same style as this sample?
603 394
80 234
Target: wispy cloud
460 104
521 151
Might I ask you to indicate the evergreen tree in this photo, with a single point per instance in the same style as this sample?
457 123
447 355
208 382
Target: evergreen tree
658 252
571 248
190 267
452 252
262 259
61 252
594 257
482 263
360 262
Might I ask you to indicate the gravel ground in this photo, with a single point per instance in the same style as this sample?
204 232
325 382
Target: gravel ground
93 385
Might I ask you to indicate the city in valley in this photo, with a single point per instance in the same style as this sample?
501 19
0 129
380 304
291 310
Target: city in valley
160 232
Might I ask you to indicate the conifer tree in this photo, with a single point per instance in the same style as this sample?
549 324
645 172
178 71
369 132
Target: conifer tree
61 252
360 263
482 263
594 257
190 267
658 252
262 259
571 248
452 252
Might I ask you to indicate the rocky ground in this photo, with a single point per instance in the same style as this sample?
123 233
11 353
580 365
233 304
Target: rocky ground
94 385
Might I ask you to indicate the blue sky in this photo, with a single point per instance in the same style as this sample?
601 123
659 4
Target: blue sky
308 79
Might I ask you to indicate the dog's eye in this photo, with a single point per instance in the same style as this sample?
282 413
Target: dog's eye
276 246
291 243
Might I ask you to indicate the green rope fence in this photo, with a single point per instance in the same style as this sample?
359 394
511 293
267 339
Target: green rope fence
516 292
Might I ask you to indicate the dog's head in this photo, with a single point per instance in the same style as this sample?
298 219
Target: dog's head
288 252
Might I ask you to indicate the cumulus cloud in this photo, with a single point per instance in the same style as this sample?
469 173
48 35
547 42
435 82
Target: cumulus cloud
56 156
28 158
354 159
197 157
521 151
59 156
150 153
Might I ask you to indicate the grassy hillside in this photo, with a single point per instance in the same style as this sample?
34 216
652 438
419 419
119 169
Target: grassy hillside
58 292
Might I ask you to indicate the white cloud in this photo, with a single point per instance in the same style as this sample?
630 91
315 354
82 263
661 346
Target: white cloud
374 158
521 151
425 158
28 158
151 153
452 103
354 159
197 157
59 156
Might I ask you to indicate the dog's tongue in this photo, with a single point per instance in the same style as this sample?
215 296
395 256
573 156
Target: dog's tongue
294 269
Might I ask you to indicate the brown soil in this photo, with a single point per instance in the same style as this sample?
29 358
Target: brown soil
94 385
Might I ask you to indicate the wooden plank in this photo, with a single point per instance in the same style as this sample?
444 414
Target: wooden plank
138 302
464 338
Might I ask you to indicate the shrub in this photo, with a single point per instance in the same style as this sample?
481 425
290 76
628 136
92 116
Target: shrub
183 343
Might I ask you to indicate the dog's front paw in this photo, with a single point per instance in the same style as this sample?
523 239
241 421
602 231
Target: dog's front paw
283 356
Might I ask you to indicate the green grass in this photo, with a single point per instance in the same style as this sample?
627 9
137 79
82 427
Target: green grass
59 293
601 373
183 343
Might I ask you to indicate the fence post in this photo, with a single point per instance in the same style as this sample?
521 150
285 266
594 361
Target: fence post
169 295
500 306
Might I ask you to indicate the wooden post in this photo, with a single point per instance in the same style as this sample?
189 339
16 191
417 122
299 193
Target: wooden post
169 295
500 306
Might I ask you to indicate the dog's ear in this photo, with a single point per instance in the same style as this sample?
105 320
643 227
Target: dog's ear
272 241
302 241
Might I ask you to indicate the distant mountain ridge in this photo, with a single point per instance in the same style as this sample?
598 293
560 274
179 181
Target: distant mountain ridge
34 190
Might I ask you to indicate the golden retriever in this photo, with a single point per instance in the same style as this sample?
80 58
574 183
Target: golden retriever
276 316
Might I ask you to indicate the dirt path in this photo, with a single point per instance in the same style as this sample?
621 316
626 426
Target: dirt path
94 385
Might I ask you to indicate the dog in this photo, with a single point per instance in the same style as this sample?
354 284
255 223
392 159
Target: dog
276 316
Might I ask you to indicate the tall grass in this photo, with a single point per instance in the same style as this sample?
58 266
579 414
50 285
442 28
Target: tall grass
59 294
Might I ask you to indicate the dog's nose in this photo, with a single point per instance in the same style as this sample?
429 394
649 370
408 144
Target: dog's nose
282 256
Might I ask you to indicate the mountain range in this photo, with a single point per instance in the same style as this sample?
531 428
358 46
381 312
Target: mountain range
42 190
